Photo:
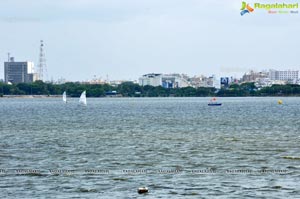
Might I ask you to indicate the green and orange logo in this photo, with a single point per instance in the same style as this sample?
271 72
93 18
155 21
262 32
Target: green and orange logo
246 8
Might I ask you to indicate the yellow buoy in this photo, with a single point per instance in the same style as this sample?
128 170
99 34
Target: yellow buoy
279 101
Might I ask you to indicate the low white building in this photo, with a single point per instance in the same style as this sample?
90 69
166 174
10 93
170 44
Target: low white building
152 79
174 81
164 80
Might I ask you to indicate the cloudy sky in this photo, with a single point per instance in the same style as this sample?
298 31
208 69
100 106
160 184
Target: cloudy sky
125 39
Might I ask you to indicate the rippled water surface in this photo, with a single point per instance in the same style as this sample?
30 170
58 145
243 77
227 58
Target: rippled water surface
177 147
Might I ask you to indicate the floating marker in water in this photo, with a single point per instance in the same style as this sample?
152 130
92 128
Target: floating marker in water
279 101
142 190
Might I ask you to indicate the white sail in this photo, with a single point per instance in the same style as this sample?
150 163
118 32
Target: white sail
82 99
65 97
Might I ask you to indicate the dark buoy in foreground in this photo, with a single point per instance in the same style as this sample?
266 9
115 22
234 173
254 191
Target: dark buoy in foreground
142 190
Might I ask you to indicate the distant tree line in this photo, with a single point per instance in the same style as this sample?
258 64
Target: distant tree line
129 89
249 89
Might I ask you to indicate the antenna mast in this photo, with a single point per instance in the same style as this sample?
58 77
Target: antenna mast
42 69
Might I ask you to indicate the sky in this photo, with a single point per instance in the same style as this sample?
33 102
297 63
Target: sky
124 39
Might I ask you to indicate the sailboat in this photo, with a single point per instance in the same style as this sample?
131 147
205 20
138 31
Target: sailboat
65 97
82 98
213 102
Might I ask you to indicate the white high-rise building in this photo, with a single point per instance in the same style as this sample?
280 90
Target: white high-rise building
287 75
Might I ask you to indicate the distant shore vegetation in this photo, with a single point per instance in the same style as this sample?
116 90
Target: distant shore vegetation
129 89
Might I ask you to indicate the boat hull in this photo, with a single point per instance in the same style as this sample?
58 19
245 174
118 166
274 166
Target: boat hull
215 104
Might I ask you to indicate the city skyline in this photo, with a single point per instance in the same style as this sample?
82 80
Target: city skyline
126 39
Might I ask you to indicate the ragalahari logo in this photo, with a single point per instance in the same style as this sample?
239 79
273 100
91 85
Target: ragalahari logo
246 8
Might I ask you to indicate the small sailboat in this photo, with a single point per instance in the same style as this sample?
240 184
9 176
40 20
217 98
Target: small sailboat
65 97
82 98
213 102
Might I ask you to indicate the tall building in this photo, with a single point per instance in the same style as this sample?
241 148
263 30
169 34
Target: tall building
18 72
287 75
213 82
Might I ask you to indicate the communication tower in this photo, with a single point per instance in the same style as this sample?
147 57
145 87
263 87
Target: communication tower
42 68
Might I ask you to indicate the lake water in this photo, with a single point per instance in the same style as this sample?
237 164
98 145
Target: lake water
177 147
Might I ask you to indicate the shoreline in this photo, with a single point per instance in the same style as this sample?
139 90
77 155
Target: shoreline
59 96
31 96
